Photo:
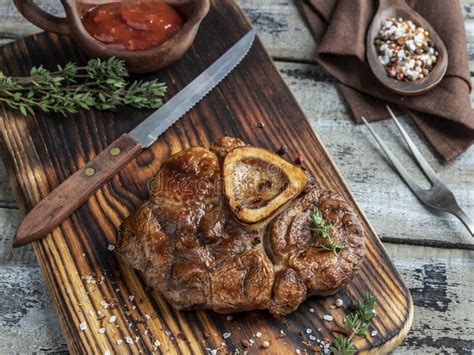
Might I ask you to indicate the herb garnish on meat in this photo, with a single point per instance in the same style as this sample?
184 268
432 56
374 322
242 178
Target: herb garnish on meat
319 225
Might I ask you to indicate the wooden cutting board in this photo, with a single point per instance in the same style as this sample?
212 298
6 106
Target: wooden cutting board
84 276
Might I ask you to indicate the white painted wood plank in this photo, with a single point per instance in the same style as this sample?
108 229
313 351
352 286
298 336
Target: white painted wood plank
6 195
442 285
28 322
9 221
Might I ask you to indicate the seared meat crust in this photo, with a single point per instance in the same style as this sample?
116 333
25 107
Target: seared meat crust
296 245
191 247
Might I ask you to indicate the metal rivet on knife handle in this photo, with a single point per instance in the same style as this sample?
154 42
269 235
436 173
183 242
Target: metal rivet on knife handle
115 151
90 171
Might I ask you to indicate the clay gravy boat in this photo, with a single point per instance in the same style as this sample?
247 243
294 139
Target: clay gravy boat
144 61
399 8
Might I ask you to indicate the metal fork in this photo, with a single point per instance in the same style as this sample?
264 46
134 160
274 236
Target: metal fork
439 196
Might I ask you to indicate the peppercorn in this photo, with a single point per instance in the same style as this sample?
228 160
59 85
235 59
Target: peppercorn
299 160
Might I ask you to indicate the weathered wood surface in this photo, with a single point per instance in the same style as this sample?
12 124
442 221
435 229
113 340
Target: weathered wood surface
41 151
392 210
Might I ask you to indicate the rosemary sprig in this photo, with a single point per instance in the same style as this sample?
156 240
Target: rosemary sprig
100 84
319 225
357 323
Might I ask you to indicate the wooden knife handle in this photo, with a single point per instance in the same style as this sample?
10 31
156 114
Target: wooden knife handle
75 190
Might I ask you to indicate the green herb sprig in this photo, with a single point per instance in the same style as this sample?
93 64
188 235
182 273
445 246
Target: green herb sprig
343 346
357 323
319 225
100 84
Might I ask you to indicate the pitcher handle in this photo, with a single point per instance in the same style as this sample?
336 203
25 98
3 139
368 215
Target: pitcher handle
41 18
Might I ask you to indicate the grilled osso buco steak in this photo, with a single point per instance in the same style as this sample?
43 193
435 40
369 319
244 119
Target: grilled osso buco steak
236 228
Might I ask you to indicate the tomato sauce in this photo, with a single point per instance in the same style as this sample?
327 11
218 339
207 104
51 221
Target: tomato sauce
133 26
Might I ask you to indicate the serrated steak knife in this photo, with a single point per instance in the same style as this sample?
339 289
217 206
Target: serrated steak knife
75 190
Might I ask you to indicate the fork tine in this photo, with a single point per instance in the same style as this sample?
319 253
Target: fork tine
396 163
429 172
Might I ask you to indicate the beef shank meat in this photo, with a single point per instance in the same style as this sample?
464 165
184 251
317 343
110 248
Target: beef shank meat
228 229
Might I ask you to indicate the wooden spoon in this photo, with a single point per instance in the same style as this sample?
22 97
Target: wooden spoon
399 8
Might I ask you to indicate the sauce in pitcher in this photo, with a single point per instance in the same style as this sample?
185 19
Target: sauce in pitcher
133 26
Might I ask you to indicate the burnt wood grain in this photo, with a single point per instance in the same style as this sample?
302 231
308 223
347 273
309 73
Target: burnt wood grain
42 151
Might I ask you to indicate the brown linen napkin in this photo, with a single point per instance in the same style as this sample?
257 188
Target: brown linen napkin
444 115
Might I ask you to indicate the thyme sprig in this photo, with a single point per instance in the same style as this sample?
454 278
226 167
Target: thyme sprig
357 323
323 227
100 84
343 346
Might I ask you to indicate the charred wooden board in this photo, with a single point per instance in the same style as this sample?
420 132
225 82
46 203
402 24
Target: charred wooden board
40 152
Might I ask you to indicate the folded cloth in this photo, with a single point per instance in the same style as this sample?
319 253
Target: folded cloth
444 115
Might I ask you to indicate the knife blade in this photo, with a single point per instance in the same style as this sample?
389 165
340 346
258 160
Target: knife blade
75 190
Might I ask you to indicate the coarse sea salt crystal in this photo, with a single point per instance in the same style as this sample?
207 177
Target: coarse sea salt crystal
374 333
111 247
129 340
312 337
226 335
328 317
311 310
411 45
258 334
102 330
112 319
83 326
399 32
309 331
424 57
107 352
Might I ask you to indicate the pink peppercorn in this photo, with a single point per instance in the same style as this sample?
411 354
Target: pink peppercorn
299 160
400 76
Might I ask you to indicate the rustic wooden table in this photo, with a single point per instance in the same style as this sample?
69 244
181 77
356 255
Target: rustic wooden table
433 252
